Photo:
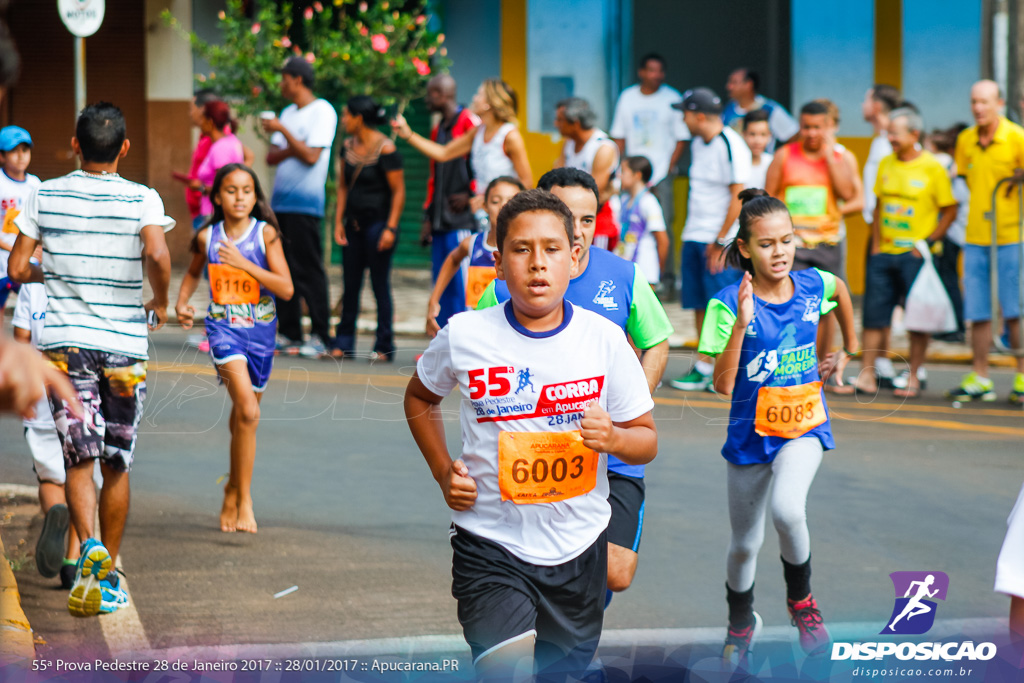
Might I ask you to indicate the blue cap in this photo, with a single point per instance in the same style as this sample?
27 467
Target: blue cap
12 136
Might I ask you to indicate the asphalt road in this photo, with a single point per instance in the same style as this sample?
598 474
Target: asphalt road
348 513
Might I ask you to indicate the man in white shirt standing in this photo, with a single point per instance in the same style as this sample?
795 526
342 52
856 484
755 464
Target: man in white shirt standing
720 164
645 124
878 102
589 149
743 98
301 149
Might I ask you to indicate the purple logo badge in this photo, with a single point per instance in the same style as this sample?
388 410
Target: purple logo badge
914 611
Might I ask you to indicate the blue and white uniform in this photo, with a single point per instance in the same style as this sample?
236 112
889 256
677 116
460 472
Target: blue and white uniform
243 331
779 350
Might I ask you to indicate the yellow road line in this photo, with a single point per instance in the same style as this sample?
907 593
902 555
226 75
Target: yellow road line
837 406
322 377
285 374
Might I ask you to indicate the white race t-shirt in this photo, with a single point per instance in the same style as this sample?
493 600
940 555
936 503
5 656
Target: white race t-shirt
714 166
90 227
759 172
522 381
30 314
650 126
880 148
298 187
13 194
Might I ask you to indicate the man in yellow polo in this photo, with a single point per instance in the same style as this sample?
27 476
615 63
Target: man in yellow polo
986 153
915 202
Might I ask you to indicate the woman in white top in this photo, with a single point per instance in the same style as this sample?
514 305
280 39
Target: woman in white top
495 147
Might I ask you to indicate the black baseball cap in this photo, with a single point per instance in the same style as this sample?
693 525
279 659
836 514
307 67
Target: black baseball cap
701 100
297 66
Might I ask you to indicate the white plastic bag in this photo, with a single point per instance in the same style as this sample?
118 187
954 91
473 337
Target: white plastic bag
928 308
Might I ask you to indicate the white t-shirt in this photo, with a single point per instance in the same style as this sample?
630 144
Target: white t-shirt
1010 565
13 194
650 126
298 187
583 158
714 166
90 227
488 158
30 314
880 148
759 172
522 381
957 232
649 209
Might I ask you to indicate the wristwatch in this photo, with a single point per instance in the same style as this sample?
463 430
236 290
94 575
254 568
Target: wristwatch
722 243
391 228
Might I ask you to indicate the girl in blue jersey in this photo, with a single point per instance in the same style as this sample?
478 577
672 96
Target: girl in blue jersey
478 248
763 331
241 250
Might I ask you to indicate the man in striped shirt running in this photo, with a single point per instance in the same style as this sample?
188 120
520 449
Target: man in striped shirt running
96 229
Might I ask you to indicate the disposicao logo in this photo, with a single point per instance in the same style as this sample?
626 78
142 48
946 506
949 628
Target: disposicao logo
916 592
914 614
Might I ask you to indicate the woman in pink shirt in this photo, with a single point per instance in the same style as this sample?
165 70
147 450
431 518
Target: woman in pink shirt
225 149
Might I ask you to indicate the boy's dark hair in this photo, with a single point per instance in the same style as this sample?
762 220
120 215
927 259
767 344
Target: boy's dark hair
569 177
101 132
756 116
641 166
648 57
888 95
261 211
506 179
532 200
756 204
814 108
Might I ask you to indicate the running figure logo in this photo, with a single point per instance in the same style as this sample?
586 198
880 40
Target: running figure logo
914 612
524 380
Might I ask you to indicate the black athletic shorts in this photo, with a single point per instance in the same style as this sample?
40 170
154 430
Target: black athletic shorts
503 599
626 496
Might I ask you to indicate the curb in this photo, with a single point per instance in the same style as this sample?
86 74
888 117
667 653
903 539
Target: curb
16 641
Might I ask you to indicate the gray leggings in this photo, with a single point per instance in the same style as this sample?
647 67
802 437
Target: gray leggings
792 471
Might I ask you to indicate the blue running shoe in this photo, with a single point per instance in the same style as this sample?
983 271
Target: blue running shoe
113 594
94 565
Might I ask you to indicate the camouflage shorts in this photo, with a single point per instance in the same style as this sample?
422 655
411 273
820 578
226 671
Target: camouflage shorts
111 388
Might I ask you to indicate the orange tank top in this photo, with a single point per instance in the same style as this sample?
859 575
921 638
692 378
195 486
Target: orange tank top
807 190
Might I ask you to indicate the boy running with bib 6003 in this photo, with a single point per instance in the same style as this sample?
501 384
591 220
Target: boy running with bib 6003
763 332
557 390
241 250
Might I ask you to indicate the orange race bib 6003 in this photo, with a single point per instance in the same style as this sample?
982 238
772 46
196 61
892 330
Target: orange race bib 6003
789 412
476 282
229 285
544 467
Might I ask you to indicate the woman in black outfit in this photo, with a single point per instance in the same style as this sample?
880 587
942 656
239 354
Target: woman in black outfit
371 194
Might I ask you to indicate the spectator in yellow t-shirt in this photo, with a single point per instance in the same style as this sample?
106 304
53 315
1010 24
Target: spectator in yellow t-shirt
985 154
915 202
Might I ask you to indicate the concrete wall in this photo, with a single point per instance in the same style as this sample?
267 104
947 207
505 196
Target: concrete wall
169 130
472 31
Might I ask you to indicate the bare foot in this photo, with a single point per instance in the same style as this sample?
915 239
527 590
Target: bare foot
246 520
229 510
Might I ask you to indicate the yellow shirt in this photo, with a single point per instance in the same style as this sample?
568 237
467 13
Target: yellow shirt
910 194
983 168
